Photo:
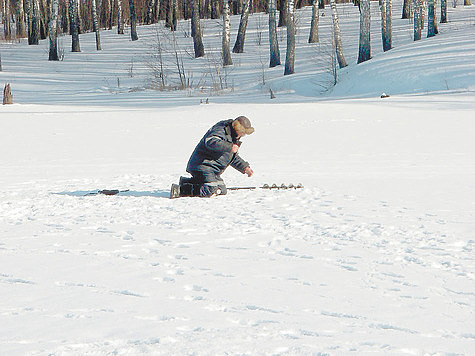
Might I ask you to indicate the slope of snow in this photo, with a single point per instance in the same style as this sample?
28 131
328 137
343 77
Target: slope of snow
374 255
120 73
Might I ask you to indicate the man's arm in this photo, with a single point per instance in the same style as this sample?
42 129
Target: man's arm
217 144
241 165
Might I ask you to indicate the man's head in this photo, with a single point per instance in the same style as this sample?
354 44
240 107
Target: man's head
242 126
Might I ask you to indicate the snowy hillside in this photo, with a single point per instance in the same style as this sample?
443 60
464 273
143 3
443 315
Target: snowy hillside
374 255
120 73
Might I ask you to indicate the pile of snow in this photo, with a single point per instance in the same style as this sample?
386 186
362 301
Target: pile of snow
374 255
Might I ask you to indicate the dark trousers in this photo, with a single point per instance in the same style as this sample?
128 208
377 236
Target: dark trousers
202 185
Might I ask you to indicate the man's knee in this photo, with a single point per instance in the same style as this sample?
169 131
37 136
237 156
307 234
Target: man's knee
211 189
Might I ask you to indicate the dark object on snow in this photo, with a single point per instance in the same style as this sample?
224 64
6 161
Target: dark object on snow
384 95
7 95
108 192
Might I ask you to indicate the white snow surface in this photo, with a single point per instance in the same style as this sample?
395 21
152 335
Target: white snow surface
373 256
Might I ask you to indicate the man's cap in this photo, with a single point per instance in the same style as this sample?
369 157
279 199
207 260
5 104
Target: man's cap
242 126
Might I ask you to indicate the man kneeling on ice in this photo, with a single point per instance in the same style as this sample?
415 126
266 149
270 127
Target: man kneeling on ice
214 153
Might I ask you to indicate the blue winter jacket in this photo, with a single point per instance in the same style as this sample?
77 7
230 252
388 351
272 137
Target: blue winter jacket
213 153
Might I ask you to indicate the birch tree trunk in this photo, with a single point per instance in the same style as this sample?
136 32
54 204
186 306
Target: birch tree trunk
149 17
389 26
282 13
384 24
196 30
33 22
443 11
239 45
156 11
133 23
274 43
467 2
406 9
95 27
6 20
365 39
120 18
20 19
313 37
430 18
421 15
78 17
227 60
53 32
215 9
417 20
44 20
172 15
337 35
290 53
74 26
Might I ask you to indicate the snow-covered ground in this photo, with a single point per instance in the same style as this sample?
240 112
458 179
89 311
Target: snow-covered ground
374 255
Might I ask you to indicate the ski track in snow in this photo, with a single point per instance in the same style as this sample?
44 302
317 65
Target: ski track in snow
192 275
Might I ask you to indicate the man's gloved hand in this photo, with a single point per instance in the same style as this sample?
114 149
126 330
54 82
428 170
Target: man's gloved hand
249 171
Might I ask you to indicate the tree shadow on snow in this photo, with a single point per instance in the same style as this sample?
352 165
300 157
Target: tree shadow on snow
126 193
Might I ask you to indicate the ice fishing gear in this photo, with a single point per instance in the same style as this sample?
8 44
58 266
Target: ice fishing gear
107 192
267 186
191 190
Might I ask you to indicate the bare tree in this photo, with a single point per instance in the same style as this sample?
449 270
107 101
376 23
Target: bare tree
406 9
417 20
20 19
95 27
156 63
133 21
467 2
227 60
150 7
110 14
78 16
290 53
273 41
313 37
443 11
386 24
337 36
196 30
282 13
430 18
53 38
6 20
365 23
74 26
239 45
33 22
120 18
171 16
